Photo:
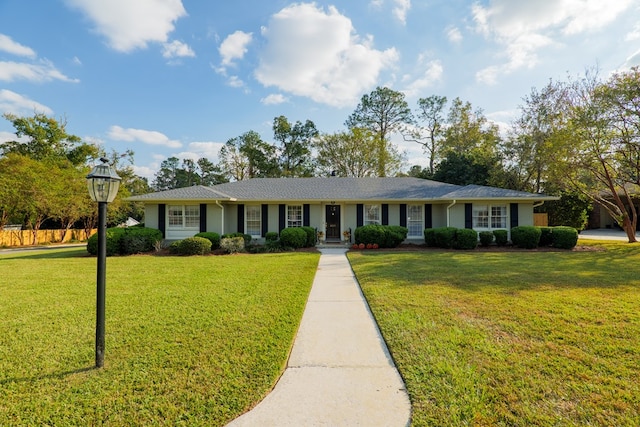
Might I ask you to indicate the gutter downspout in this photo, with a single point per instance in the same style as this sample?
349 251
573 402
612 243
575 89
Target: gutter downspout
222 222
540 203
448 213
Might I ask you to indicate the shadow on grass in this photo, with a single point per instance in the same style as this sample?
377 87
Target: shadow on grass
52 376
45 253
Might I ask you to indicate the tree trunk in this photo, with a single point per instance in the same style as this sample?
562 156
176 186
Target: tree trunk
629 228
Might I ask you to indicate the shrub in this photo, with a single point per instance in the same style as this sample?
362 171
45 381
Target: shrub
214 238
194 246
371 233
232 245
174 247
430 237
526 236
466 238
139 240
271 236
546 237
502 237
486 238
394 235
293 237
311 236
445 237
246 237
564 237
113 243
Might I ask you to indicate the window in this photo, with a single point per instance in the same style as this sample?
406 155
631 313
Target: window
371 214
294 216
490 217
180 216
415 222
253 216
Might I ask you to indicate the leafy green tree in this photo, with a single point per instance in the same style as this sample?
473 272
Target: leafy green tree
47 139
295 146
429 131
469 131
464 169
248 156
210 174
382 112
353 154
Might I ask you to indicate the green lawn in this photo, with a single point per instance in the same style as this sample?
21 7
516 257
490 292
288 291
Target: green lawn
189 340
514 338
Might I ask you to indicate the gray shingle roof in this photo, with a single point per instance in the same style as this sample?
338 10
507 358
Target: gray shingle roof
336 189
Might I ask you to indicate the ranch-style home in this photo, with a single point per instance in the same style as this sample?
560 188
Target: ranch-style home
335 206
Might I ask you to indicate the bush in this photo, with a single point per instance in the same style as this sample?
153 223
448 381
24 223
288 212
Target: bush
501 236
214 238
546 238
526 236
311 236
293 237
174 247
394 235
139 240
486 238
430 237
371 233
445 237
194 246
564 237
113 243
232 245
246 237
271 236
466 238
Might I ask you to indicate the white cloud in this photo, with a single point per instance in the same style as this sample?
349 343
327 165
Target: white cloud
401 9
177 49
454 35
130 25
150 137
235 81
633 34
198 150
11 102
376 4
234 47
44 71
318 55
76 61
524 27
8 45
274 99
432 73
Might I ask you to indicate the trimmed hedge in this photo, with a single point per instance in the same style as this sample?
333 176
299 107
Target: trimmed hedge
385 236
232 245
564 237
394 235
293 237
430 237
193 246
213 237
465 238
271 236
526 236
445 237
126 241
546 236
501 236
311 236
246 237
486 238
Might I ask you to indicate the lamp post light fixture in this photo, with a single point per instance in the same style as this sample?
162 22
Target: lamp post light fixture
103 183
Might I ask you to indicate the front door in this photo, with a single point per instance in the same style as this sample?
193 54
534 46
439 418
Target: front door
333 222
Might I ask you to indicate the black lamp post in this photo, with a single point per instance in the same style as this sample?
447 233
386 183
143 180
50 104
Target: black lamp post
103 183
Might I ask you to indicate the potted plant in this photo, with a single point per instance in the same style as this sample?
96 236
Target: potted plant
320 235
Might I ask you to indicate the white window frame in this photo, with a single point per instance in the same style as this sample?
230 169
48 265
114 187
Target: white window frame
490 216
415 220
183 217
253 220
372 214
295 216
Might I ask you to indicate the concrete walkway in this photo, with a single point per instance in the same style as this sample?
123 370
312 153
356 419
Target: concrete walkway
339 372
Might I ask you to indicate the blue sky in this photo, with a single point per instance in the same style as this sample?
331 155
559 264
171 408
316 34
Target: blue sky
179 78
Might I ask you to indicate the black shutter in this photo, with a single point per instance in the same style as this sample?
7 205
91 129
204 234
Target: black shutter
282 217
385 214
265 219
162 218
241 218
306 210
428 216
468 215
203 217
403 215
359 214
513 207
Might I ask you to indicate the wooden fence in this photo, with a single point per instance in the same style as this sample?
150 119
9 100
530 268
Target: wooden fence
541 219
11 238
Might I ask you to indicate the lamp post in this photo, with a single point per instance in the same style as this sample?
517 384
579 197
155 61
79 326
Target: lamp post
103 183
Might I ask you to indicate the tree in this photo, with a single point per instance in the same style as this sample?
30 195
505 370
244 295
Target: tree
248 156
167 177
210 174
295 146
431 134
469 131
353 154
47 139
382 112
465 168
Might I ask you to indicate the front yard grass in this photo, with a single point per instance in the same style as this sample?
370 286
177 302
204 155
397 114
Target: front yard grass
189 340
512 338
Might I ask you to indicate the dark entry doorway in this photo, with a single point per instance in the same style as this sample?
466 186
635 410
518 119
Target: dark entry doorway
333 222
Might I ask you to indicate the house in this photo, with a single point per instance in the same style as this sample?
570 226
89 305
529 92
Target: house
335 206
